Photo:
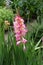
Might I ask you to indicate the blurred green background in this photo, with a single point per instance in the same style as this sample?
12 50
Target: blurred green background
32 13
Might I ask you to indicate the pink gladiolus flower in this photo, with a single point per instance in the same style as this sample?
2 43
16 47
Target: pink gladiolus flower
19 30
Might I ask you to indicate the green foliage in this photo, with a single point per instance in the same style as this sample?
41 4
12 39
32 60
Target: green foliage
6 14
28 8
35 31
10 54
2 3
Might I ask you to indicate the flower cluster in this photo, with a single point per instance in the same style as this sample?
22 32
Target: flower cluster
20 30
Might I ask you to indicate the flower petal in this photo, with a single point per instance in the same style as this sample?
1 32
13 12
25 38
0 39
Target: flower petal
18 42
24 40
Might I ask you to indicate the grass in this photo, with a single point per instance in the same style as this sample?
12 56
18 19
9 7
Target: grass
10 54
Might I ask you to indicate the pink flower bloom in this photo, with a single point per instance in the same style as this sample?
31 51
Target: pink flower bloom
20 30
18 37
18 18
24 40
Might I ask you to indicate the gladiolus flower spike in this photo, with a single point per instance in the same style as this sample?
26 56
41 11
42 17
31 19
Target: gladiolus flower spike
19 30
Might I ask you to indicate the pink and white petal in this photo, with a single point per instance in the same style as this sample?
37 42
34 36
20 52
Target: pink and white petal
18 38
24 40
22 20
18 42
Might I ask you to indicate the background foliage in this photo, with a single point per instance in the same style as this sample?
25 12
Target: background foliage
28 8
10 54
6 14
2 3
